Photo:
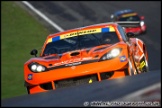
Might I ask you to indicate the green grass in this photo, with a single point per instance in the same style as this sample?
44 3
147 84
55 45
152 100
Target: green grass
20 33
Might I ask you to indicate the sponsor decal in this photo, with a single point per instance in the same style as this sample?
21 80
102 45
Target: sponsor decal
73 64
142 64
90 81
123 58
81 32
68 61
30 76
80 63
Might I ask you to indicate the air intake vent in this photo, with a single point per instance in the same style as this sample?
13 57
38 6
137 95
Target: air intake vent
75 53
76 81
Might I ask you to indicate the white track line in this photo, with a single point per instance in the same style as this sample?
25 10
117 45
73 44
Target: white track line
140 92
43 16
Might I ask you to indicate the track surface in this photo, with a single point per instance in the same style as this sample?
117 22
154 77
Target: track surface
73 14
97 91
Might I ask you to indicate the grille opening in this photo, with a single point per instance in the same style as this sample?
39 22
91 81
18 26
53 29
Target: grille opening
106 75
76 81
75 53
46 86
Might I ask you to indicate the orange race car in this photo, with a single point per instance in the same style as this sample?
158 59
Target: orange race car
85 55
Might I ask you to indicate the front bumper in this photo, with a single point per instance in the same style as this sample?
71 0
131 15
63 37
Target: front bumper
75 75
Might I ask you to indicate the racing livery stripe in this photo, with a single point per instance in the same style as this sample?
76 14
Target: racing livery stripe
131 14
110 29
65 65
49 40
56 38
137 41
141 56
81 32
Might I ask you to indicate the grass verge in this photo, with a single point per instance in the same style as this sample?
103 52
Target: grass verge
20 34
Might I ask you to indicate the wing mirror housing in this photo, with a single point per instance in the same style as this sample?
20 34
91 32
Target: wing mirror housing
34 52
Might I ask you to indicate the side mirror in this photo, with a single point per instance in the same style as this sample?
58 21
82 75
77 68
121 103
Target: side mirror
34 52
142 17
112 16
130 35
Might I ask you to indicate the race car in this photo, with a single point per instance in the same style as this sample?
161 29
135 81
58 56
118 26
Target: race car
85 55
130 21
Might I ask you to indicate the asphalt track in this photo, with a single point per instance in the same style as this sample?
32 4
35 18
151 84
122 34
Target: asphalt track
73 14
78 95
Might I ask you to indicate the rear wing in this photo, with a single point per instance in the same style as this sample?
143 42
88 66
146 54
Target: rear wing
129 23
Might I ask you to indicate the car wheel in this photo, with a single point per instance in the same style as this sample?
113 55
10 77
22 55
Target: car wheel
144 32
27 88
144 65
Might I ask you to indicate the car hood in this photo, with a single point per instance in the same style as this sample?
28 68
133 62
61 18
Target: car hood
73 57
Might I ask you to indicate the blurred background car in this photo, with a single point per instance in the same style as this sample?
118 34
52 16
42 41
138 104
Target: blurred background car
130 21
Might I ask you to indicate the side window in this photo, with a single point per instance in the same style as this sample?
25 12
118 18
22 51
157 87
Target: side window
115 18
123 34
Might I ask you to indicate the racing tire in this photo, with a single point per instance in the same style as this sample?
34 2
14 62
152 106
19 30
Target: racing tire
144 32
27 88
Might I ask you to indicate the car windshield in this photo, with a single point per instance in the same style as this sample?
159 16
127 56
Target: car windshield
80 42
129 18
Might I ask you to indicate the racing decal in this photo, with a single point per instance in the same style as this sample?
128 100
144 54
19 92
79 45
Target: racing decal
65 65
109 29
142 64
90 81
73 64
141 56
123 58
30 76
49 40
53 39
131 14
140 52
137 41
81 32
68 61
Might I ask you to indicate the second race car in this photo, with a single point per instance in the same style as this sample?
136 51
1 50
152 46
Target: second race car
130 20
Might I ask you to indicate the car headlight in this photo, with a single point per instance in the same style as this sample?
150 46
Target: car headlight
111 54
142 23
35 67
112 16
